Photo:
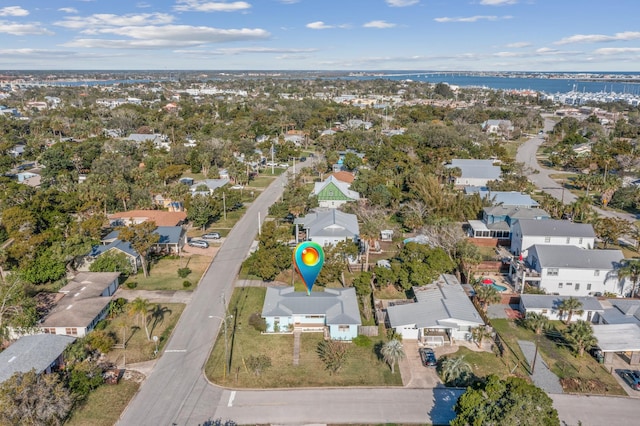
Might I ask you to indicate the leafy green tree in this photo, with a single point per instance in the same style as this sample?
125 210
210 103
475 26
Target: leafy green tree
100 340
272 256
630 269
455 371
142 237
580 335
334 354
17 309
569 307
33 399
83 377
504 403
610 229
112 261
45 268
201 211
392 352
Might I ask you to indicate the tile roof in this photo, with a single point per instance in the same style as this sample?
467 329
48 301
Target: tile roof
37 352
344 176
160 217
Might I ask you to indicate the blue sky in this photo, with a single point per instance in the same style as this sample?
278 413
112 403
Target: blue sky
512 35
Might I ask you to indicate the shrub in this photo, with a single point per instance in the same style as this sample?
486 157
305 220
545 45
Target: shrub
183 272
132 284
362 341
258 364
186 283
100 340
257 322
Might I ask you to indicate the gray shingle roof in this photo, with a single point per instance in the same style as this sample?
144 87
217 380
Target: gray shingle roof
437 304
505 198
330 223
565 256
545 301
32 352
622 312
516 212
338 304
481 169
556 228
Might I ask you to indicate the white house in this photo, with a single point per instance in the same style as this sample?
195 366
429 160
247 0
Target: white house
441 313
328 227
475 172
498 126
525 233
572 271
549 306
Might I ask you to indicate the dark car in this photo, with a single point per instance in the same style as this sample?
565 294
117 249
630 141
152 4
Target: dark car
428 357
632 378
211 236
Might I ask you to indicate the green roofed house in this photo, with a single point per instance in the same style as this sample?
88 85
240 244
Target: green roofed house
333 193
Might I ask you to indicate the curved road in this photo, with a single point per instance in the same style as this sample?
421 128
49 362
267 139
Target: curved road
177 393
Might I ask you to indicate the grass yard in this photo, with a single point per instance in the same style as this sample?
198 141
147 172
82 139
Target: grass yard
484 363
577 374
389 292
163 273
138 348
261 181
104 405
362 367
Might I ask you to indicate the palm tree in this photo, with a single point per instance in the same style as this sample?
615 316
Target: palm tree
536 322
630 269
139 308
487 295
479 334
580 335
392 352
455 370
570 306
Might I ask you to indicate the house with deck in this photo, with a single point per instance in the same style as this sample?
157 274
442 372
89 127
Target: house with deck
333 311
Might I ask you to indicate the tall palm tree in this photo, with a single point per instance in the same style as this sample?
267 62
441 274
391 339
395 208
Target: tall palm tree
479 334
139 308
455 370
536 322
630 269
487 295
580 335
392 352
570 306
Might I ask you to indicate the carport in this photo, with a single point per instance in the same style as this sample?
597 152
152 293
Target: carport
619 338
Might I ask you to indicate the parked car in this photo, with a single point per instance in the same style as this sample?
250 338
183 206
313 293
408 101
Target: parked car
302 159
284 165
428 357
198 243
211 236
632 378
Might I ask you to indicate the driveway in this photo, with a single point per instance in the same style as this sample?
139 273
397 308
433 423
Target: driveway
414 374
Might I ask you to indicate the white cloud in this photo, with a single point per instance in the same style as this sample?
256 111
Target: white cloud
519 44
379 24
166 36
210 6
508 54
241 50
319 25
600 38
616 50
13 11
401 3
68 10
110 20
289 1
497 2
473 18
23 29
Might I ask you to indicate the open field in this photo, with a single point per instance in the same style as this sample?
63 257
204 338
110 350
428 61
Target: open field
363 368
164 276
104 405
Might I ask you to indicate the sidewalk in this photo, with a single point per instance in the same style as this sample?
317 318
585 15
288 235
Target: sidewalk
542 376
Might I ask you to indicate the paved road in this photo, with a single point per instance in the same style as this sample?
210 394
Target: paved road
539 176
176 390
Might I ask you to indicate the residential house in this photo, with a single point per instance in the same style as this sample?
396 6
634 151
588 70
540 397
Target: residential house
84 303
503 198
549 306
115 245
500 127
621 338
159 217
569 270
499 221
158 140
333 311
328 227
172 239
440 313
344 176
332 193
40 352
207 186
621 311
526 233
475 172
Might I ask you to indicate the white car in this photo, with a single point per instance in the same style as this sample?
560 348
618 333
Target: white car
284 165
198 243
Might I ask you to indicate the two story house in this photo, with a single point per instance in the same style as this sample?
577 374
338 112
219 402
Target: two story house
526 233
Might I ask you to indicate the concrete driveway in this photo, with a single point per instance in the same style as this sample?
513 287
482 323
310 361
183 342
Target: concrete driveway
414 374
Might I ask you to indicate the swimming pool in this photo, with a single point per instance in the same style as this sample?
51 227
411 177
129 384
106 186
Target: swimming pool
492 283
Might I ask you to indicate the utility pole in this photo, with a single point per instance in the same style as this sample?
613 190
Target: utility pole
272 163
224 206
535 357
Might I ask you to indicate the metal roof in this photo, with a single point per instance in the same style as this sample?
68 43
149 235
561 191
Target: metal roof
617 337
330 223
556 228
37 352
622 312
438 304
339 305
567 256
481 169
505 198
343 187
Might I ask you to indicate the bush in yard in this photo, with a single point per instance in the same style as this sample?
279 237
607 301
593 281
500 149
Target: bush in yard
362 341
333 353
100 340
183 272
132 284
83 378
186 283
257 322
258 363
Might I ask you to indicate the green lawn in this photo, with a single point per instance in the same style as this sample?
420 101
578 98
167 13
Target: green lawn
104 405
577 374
484 363
261 181
138 348
363 367
164 276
